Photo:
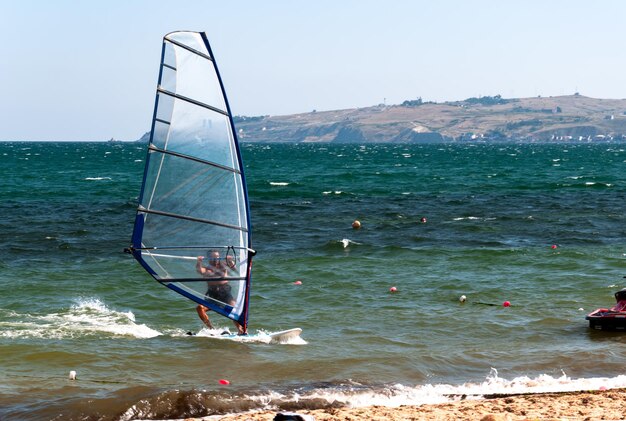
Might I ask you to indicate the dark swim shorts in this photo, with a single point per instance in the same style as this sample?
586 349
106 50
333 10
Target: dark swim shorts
220 293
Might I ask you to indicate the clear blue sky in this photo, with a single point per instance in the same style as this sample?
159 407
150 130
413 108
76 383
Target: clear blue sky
87 70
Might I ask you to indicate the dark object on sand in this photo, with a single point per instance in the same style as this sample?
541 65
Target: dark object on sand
290 416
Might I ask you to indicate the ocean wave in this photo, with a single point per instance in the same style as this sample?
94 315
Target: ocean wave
179 404
346 242
591 183
474 218
88 316
97 178
260 336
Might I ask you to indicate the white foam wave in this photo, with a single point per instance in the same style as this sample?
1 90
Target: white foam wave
97 178
278 183
346 242
591 183
398 394
473 218
86 317
260 336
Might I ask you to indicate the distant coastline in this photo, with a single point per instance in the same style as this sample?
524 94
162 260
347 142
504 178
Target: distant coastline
573 118
563 118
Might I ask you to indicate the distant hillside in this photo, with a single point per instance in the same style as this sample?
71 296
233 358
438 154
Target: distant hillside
573 117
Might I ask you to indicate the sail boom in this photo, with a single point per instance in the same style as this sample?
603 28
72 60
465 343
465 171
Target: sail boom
249 250
206 280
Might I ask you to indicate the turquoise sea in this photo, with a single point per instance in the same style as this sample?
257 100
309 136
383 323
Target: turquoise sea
72 300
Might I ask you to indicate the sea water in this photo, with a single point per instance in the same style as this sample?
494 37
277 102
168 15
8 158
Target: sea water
539 225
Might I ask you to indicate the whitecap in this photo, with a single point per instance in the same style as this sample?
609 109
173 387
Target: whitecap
346 242
88 316
395 395
260 336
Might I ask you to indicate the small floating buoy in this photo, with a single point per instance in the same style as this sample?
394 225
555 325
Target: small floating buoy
462 298
393 289
506 304
72 375
356 224
423 220
553 247
298 282
224 382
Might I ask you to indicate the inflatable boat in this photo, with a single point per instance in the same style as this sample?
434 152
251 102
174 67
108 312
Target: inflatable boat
613 318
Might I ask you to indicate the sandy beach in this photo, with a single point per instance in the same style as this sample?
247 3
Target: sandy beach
589 406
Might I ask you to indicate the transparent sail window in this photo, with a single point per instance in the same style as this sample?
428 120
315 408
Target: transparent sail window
194 189
197 131
195 77
168 79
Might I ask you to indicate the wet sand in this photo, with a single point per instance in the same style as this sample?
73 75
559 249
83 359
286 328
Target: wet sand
588 405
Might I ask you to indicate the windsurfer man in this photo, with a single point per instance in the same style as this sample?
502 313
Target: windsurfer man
219 289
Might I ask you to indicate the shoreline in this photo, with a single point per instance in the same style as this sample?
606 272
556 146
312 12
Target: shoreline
607 404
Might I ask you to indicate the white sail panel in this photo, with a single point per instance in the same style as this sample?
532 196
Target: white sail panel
200 81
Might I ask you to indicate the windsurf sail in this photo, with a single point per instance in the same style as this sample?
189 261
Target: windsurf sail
192 228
